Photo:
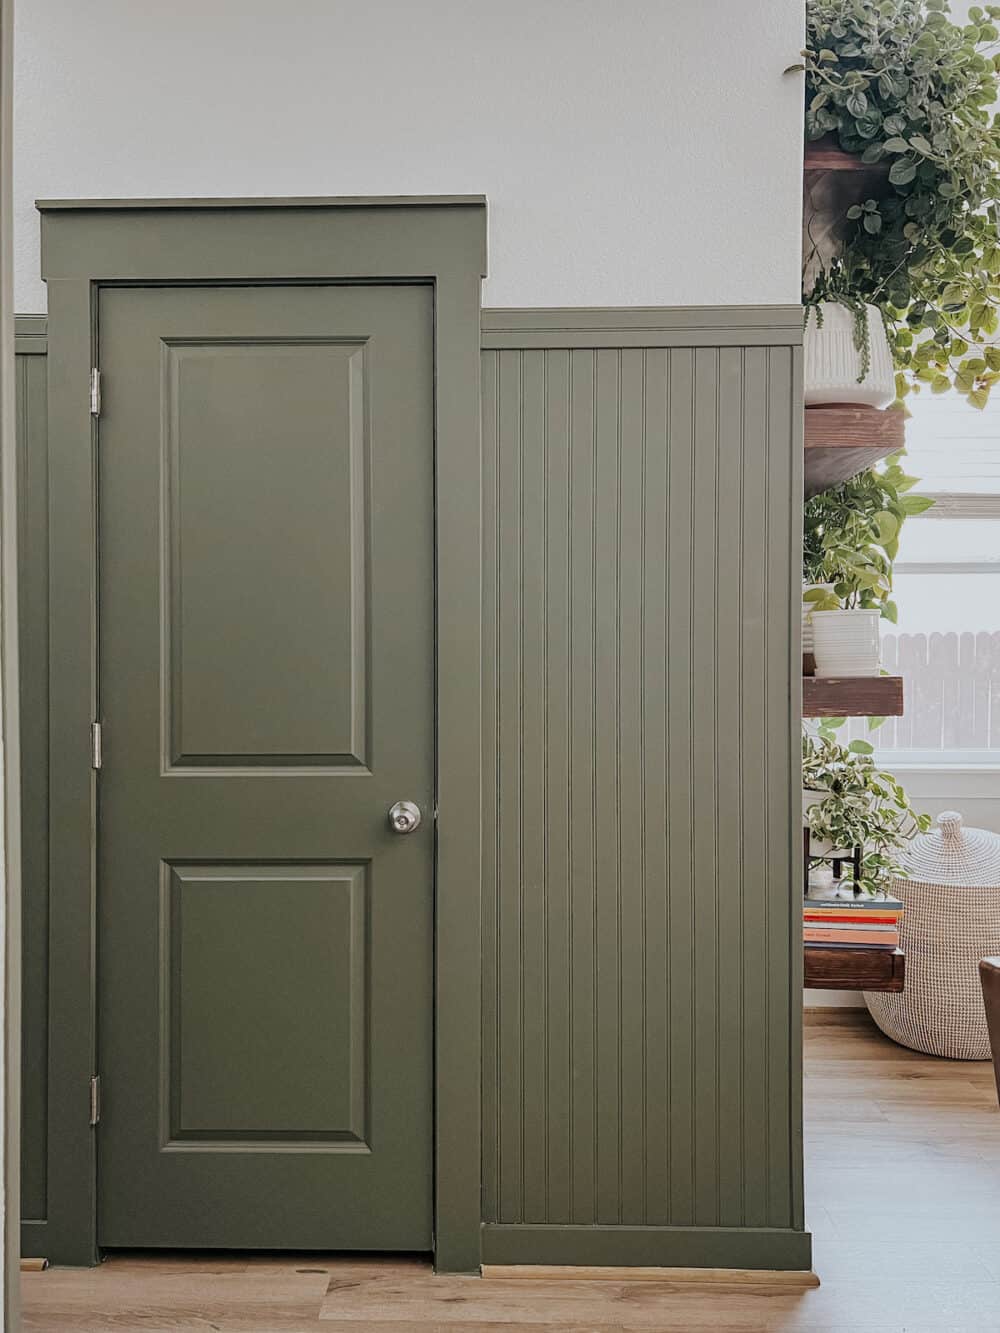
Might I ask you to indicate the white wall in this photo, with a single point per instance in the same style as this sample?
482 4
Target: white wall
635 152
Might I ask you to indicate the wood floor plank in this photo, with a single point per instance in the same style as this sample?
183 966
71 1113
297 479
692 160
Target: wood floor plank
902 1196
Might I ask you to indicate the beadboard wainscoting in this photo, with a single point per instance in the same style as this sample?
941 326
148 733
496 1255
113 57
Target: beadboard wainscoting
642 970
642 935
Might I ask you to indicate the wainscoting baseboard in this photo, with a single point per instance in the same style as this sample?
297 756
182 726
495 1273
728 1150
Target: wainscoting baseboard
704 1248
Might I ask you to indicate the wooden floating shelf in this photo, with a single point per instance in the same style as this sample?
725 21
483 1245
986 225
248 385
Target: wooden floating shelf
844 439
825 155
852 696
854 969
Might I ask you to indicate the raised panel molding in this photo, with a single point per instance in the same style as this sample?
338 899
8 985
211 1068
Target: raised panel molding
641 1092
227 433
245 1055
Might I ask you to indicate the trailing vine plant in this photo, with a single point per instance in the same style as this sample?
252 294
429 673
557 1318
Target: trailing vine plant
829 286
900 84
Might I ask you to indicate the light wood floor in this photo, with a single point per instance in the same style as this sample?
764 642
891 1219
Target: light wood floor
903 1199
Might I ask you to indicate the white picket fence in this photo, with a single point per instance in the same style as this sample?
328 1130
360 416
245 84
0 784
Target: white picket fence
951 692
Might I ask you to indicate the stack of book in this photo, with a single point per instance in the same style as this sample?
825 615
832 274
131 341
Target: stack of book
846 923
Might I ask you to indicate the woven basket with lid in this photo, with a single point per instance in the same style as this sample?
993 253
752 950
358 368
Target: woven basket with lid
951 919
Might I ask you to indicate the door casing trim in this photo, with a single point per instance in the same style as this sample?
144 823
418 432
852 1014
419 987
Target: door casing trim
88 244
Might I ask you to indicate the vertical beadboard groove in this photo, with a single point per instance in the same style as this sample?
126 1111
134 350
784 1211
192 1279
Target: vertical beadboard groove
643 830
638 559
546 575
520 755
767 826
491 827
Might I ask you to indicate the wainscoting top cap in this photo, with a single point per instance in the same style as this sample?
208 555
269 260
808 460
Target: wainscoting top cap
276 201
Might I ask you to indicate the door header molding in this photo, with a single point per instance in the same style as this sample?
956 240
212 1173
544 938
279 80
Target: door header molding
246 240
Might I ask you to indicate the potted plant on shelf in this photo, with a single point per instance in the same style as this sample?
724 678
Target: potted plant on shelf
902 86
847 358
850 541
849 802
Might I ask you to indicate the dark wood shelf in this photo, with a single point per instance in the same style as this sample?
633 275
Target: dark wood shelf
832 181
824 154
852 696
854 969
844 439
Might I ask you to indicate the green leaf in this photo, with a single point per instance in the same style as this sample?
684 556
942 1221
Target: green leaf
978 398
886 524
902 171
940 384
896 145
857 103
872 223
916 504
875 722
861 747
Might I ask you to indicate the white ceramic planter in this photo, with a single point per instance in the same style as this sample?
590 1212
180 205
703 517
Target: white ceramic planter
807 614
833 363
846 643
822 846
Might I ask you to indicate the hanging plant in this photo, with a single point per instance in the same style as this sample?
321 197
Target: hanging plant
831 285
900 83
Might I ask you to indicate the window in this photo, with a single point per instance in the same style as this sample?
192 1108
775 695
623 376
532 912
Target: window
946 644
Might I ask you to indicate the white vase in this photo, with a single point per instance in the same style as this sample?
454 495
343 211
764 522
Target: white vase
846 643
833 363
807 614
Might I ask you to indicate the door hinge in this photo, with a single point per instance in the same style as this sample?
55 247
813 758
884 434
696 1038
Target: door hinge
96 747
95 1099
95 392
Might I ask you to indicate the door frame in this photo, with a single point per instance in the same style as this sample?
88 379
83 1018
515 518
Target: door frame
90 244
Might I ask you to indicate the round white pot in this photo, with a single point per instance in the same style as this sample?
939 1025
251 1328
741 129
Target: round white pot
846 643
833 363
807 615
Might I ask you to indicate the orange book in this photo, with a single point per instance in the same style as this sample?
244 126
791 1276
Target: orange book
882 939
874 918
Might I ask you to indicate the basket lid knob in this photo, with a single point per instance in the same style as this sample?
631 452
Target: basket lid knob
950 823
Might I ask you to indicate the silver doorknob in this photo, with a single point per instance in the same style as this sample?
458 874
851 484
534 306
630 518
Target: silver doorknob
404 817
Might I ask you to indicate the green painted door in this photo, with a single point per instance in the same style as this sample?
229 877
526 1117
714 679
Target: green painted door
266 676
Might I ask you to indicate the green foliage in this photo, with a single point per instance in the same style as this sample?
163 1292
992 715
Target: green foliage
862 806
851 538
897 82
